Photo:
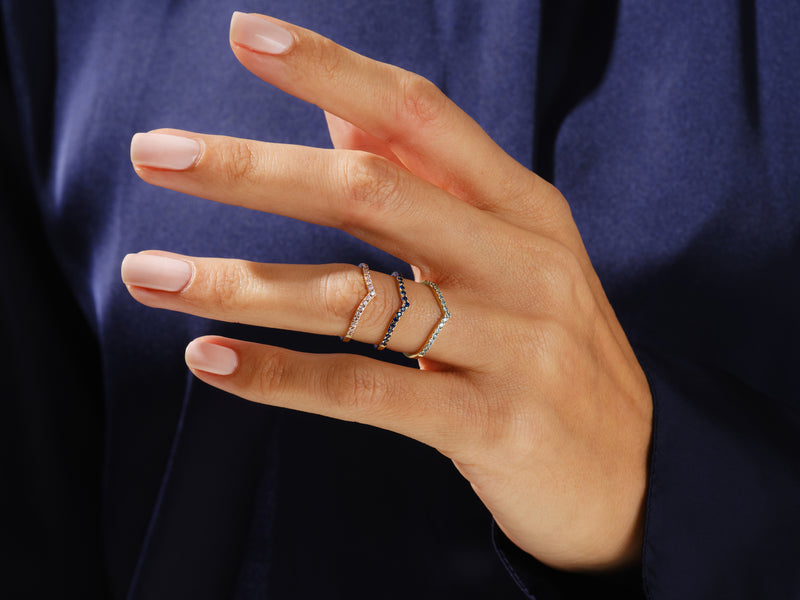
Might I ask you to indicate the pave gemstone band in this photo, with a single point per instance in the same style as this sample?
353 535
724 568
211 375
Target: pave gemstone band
436 330
364 302
401 288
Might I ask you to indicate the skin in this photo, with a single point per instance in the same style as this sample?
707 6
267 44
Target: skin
532 389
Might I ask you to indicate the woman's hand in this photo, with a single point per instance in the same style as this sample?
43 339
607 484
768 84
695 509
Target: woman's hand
531 388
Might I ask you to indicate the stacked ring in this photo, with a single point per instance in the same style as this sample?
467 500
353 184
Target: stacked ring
401 288
436 330
366 300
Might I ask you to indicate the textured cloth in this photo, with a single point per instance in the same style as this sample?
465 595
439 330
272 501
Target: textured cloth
673 130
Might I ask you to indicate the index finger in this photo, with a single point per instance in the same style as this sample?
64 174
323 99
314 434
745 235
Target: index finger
432 136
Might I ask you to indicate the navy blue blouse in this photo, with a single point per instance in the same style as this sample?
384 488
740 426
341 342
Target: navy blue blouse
672 128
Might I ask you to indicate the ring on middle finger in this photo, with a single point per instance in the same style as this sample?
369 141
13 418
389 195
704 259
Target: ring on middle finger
404 304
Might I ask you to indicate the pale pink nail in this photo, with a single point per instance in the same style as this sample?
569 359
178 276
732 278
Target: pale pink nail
156 272
202 355
163 151
259 34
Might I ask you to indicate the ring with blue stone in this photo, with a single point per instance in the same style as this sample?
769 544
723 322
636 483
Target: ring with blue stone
404 304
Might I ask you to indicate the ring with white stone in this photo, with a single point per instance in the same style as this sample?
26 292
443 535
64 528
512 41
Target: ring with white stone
366 300
436 330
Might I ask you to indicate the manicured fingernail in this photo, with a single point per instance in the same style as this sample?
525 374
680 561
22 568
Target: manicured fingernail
164 151
202 355
156 272
260 35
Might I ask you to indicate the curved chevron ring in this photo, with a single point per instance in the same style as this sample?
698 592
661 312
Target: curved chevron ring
364 302
436 330
401 288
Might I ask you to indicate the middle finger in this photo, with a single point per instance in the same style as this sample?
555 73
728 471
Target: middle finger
319 299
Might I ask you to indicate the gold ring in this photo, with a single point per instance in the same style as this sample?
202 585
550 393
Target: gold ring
435 333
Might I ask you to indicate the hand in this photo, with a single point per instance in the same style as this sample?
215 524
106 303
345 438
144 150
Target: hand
531 388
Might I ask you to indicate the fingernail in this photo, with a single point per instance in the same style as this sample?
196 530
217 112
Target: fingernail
202 355
164 151
156 272
260 35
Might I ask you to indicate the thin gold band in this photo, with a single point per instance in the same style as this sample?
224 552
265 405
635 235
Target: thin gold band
436 330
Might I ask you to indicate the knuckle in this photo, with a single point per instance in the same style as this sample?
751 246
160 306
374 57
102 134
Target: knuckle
555 356
326 55
340 292
570 285
357 390
272 372
227 285
421 102
557 279
239 160
372 187
558 267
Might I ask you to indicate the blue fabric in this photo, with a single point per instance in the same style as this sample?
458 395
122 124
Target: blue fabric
673 130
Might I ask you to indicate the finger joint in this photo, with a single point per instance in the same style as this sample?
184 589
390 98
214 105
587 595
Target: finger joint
228 284
240 160
372 190
421 102
356 391
340 292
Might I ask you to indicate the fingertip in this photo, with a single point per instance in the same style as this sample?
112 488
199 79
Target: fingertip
164 151
259 34
156 272
209 355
